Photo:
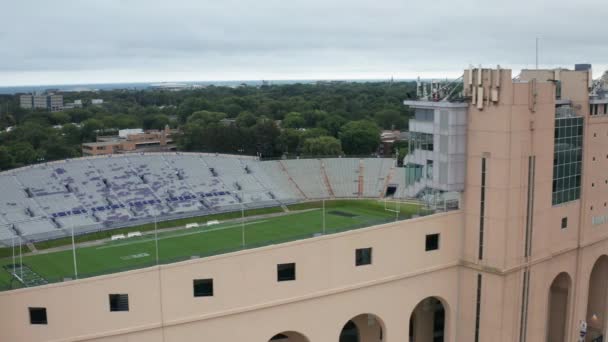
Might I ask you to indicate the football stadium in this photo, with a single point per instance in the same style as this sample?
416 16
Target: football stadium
120 208
493 227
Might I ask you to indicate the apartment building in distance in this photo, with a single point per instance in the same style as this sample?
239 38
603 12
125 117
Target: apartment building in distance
524 257
131 141
48 101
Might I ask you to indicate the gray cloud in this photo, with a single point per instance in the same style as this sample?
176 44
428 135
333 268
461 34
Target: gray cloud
65 41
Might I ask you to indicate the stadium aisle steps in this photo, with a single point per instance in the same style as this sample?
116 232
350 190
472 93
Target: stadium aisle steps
284 168
326 180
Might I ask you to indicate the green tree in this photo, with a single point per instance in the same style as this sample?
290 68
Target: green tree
6 159
157 121
322 146
245 119
289 141
23 153
312 117
90 128
332 124
204 117
71 134
60 118
360 137
293 120
389 119
266 134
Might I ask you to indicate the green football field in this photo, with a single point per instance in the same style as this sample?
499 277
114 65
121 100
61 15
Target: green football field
302 221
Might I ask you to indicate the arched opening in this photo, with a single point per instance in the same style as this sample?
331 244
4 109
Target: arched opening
427 322
559 294
289 336
597 300
363 328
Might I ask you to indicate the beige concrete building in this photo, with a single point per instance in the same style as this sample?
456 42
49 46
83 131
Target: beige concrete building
50 102
524 259
149 141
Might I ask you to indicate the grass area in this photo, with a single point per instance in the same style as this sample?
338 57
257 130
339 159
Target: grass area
150 226
114 256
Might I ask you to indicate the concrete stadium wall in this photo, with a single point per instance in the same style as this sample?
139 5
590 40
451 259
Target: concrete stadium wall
248 302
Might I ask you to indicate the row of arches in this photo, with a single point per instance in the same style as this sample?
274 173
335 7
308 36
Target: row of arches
428 319
560 293
427 324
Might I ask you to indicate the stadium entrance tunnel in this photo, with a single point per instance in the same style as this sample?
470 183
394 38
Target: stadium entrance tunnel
391 189
363 328
559 294
427 322
597 300
289 336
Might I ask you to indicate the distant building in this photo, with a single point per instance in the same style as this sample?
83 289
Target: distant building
131 141
97 102
47 101
388 138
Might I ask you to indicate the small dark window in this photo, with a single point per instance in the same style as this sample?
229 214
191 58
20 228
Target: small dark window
363 256
119 302
286 272
203 287
564 222
38 316
432 242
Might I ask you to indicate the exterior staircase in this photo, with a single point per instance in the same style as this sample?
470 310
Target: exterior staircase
295 185
361 178
326 180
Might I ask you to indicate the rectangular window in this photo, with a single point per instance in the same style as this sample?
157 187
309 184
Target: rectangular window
482 208
478 308
567 159
564 222
286 272
432 242
38 316
119 302
203 287
363 256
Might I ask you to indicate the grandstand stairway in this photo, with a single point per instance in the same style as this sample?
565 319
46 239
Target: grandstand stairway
330 191
361 179
291 180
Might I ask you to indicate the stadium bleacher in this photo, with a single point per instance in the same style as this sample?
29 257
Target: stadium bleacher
47 201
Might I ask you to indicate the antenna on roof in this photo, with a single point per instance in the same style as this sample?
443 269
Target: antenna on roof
537 39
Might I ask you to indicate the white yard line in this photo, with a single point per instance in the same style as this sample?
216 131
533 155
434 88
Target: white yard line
179 235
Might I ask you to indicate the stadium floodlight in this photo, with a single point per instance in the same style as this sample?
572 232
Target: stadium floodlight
74 249
242 221
155 235
21 259
13 268
323 201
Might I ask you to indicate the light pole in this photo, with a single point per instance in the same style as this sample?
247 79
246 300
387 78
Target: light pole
74 249
155 236
323 216
13 268
242 221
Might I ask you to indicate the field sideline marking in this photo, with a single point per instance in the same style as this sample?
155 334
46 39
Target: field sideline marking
179 235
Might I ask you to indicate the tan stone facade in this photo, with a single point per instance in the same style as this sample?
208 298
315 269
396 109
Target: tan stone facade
149 141
511 264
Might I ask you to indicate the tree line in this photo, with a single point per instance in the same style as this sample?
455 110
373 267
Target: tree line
330 118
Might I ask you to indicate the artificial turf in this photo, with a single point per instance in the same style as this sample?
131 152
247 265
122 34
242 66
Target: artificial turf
304 220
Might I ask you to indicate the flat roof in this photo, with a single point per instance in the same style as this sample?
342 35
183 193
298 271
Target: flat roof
103 143
435 104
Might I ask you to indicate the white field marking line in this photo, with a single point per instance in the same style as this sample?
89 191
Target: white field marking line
179 235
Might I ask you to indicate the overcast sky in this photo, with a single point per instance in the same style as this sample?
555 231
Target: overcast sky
100 41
